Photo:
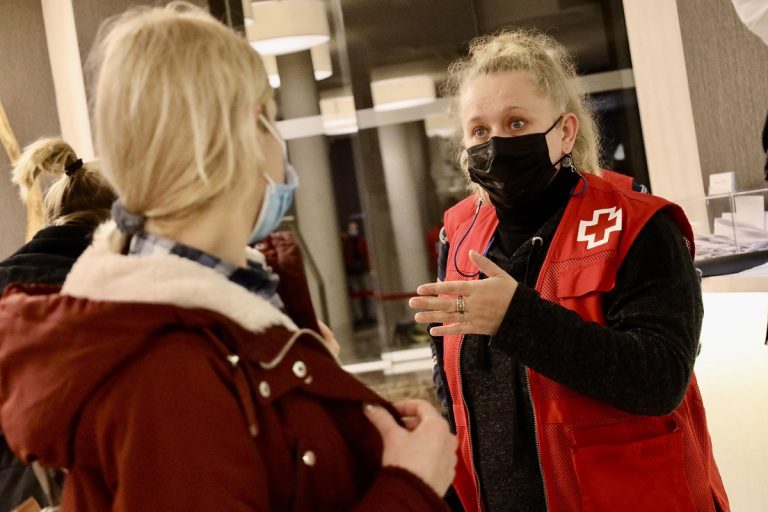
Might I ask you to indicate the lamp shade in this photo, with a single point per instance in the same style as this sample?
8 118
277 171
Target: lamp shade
270 64
339 115
321 62
403 92
443 126
287 26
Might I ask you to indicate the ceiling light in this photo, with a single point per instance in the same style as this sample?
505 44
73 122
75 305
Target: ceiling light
444 126
339 115
403 92
321 62
270 65
287 26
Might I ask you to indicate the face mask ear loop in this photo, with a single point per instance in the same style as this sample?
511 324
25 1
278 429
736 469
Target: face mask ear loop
583 189
466 233
554 124
273 131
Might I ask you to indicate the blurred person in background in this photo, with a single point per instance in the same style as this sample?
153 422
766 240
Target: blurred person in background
358 267
75 203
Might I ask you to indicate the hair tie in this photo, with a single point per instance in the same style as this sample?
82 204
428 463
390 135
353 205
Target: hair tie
72 168
128 223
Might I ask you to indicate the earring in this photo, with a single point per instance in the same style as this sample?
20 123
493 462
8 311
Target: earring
568 162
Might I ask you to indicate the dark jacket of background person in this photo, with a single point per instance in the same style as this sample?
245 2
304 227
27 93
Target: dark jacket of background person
212 393
46 259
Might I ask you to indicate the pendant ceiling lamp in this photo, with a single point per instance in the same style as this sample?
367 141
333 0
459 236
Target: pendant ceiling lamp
287 26
270 64
402 92
443 126
339 116
321 62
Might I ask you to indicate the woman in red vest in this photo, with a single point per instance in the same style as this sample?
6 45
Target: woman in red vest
567 313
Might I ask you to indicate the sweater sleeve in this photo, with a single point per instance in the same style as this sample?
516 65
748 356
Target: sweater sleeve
436 342
642 360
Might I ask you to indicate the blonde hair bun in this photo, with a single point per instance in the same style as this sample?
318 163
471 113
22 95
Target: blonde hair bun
78 196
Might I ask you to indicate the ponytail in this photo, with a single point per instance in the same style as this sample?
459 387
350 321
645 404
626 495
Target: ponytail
79 195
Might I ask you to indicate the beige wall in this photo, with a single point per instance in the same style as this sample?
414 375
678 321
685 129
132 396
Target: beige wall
26 89
90 13
664 102
728 79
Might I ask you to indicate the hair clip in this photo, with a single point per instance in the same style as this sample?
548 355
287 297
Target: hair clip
72 168
128 223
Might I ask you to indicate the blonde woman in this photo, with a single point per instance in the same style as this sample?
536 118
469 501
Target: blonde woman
190 383
75 203
569 311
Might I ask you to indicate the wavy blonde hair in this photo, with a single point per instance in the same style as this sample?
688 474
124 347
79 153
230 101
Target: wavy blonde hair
553 72
83 197
174 113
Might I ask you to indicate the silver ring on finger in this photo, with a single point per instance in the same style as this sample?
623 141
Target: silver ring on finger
461 317
460 304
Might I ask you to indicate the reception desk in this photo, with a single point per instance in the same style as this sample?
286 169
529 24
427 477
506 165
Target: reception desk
732 370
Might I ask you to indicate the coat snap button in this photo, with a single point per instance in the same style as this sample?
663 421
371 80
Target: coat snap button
264 389
309 458
300 369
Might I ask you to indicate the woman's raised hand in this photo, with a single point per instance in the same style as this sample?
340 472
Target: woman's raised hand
424 446
473 307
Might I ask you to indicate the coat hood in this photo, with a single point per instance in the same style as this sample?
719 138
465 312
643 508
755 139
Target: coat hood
57 349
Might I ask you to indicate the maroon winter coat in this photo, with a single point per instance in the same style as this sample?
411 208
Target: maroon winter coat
162 386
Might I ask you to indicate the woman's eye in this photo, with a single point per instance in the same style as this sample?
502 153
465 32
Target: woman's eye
517 124
480 133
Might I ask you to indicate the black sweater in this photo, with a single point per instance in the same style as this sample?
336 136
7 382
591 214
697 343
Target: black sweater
640 362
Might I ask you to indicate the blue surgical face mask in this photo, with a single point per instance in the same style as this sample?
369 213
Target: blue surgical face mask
278 197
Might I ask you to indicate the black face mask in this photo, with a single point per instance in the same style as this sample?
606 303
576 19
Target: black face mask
515 171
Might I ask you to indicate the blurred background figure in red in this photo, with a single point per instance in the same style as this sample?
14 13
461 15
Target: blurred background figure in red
357 267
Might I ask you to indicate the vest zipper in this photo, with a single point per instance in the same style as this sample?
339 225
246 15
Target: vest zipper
536 437
537 240
469 429
466 277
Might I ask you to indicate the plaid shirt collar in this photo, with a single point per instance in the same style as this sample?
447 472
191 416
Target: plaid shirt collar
256 278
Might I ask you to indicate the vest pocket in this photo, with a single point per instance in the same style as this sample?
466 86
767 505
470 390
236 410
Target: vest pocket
635 476
586 278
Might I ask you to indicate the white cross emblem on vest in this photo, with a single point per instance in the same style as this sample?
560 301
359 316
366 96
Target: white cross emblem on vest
597 231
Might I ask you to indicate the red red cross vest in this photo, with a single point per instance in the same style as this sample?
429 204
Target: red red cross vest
594 458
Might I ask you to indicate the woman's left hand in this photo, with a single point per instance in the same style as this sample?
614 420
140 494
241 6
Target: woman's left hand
485 301
330 338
